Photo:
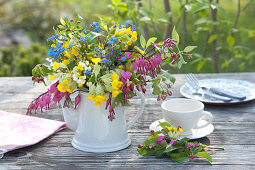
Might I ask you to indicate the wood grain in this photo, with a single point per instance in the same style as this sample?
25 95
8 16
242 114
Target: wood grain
234 130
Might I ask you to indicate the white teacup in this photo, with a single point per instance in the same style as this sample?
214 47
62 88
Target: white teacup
185 113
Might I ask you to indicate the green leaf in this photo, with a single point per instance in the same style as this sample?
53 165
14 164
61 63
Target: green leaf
181 157
160 153
175 36
99 89
62 21
231 41
200 7
171 148
167 75
179 64
142 41
145 18
96 69
201 21
146 152
212 38
189 48
205 155
200 65
152 39
61 27
116 2
164 143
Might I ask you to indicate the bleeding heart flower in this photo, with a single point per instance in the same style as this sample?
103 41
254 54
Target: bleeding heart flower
125 76
77 100
128 55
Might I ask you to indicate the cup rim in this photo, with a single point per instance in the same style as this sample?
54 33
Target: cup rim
182 112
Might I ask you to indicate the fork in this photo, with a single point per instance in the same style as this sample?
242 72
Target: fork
196 90
192 78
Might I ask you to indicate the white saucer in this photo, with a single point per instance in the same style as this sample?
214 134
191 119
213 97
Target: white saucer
196 133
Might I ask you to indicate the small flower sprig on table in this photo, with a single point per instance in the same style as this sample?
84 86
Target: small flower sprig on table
167 143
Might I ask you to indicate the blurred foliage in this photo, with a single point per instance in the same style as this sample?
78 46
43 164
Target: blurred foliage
17 61
225 43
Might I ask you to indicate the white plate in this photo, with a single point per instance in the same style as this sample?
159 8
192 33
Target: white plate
196 133
235 86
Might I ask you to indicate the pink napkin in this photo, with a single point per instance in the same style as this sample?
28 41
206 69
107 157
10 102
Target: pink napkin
18 131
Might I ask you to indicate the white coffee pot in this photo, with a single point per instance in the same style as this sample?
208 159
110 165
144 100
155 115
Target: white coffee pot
93 130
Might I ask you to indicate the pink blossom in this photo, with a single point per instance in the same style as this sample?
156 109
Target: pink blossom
195 145
152 131
190 145
139 146
192 156
128 55
151 146
172 142
160 139
77 100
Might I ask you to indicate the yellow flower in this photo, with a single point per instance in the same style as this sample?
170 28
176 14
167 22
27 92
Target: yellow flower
180 130
128 31
67 54
69 77
65 81
174 129
66 62
142 52
98 104
55 65
116 33
53 45
169 128
134 38
114 76
129 42
115 93
96 60
121 67
75 51
61 88
80 85
80 67
124 48
134 33
91 97
66 44
90 58
69 90
90 64
180 134
121 32
51 77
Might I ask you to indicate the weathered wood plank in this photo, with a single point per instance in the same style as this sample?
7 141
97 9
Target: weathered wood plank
234 130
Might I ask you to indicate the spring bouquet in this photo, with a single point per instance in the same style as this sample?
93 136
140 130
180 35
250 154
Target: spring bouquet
105 61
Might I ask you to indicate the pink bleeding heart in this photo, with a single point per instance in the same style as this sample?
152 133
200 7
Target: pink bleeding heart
125 76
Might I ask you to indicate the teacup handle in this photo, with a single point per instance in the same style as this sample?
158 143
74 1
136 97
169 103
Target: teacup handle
140 111
209 121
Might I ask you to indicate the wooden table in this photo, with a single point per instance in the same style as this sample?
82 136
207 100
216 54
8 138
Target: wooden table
234 131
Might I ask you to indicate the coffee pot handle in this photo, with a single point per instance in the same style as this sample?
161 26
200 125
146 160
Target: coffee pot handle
140 111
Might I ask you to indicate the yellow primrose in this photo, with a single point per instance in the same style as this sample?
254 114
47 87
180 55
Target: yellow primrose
142 52
175 129
180 130
121 32
61 88
80 67
51 77
124 48
96 60
66 62
80 85
91 97
121 67
115 93
129 42
129 83
55 65
114 76
128 31
75 51
169 128
116 33
65 81
66 45
134 38
67 54
134 33
53 45
69 90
